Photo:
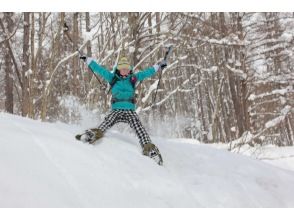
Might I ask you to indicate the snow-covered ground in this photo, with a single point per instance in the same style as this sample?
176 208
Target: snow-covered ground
42 165
282 157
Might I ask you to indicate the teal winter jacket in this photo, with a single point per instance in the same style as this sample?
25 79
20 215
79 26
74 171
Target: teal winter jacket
123 88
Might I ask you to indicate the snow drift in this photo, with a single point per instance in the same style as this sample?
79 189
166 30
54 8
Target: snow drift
42 165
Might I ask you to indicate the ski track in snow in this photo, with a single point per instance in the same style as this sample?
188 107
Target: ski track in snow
42 165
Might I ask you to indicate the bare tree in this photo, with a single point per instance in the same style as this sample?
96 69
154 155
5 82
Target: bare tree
8 65
26 64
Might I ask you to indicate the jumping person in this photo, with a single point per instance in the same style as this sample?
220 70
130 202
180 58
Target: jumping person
122 85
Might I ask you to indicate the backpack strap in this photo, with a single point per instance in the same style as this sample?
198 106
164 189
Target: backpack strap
133 80
113 81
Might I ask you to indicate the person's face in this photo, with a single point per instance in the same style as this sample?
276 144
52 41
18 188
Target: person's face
124 72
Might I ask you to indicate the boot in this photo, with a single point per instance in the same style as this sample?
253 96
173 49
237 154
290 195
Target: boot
92 135
152 151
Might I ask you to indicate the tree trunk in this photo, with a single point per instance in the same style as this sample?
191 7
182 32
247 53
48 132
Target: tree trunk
133 20
25 64
89 53
33 75
75 38
8 66
157 18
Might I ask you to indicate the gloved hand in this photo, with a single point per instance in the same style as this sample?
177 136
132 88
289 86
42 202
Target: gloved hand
84 58
162 64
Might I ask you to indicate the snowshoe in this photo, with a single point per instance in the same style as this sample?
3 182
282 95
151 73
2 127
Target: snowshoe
152 151
90 136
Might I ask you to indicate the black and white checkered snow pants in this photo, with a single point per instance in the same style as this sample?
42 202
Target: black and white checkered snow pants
126 116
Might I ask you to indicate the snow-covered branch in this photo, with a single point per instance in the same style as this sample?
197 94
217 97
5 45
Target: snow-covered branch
237 72
155 84
52 74
282 92
248 137
169 94
150 53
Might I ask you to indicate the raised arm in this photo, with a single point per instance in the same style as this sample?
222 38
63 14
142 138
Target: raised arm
101 71
149 72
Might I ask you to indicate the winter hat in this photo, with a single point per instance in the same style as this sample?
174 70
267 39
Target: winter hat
123 63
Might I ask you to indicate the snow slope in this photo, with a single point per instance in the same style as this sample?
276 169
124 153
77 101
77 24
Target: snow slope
41 165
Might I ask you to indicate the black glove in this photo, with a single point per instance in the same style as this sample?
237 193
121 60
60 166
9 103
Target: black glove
84 58
162 64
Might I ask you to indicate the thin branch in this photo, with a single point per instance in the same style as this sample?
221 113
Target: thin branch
59 64
11 35
7 43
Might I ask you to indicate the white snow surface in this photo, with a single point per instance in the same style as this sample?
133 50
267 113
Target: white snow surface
42 165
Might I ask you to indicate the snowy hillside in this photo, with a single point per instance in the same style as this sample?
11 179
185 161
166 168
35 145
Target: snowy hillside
41 165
